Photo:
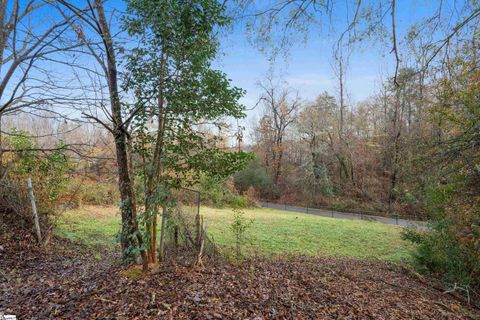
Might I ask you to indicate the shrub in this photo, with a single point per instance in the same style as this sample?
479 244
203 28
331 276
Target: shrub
451 248
220 193
86 191
239 227
239 201
454 258
49 172
254 175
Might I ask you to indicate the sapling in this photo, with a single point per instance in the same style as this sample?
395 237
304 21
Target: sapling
239 228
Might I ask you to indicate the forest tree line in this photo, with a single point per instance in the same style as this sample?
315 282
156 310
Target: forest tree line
379 154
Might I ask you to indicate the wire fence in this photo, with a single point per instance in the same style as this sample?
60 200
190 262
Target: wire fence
186 240
14 206
393 219
20 208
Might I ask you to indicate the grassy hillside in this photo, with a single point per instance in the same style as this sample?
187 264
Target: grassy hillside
280 232
272 232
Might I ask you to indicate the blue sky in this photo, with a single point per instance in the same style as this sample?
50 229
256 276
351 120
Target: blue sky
308 67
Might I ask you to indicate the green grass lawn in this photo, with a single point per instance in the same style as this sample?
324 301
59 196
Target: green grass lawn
273 232
93 226
280 232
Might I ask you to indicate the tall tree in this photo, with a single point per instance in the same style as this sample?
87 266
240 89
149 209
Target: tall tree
176 94
317 126
281 110
95 20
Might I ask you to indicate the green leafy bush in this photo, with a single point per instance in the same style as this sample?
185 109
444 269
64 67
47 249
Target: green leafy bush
86 191
450 249
49 171
446 254
221 193
254 175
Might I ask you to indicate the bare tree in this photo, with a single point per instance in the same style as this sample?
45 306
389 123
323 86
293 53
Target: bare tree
94 18
22 47
26 44
281 110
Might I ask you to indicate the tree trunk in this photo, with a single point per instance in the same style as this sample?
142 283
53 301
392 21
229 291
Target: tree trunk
154 173
150 198
161 256
3 40
2 170
3 31
342 102
396 135
128 206
278 168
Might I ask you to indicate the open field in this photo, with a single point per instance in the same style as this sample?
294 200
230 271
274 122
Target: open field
273 232
279 232
93 226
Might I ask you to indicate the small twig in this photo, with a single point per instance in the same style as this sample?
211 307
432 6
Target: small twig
443 305
390 284
106 300
454 289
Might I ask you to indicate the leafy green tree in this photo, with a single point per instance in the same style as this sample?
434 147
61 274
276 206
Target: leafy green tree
452 191
178 98
254 175
92 21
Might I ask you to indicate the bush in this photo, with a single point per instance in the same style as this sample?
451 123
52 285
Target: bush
239 201
254 175
453 257
86 191
450 249
221 193
49 172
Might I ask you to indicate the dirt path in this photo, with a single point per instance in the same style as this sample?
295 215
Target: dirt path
69 283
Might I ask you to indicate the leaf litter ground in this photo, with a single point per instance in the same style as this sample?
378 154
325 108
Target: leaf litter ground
69 282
